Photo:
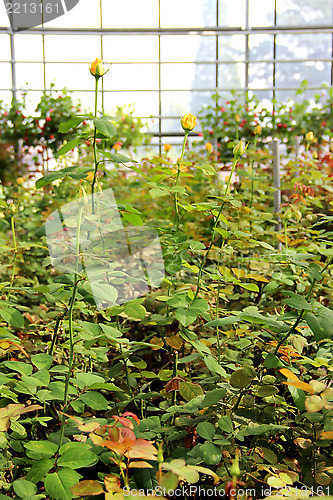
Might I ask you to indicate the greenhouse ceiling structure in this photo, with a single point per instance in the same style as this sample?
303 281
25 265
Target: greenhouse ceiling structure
168 57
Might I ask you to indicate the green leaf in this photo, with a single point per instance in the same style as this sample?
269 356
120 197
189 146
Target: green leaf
210 453
225 424
272 361
297 301
94 400
206 430
105 127
58 483
13 317
135 310
229 320
67 147
186 316
214 366
213 397
24 488
258 430
133 219
207 169
88 379
189 390
173 263
199 306
267 390
157 192
53 176
45 449
42 361
241 378
250 286
39 469
117 157
73 123
76 455
19 366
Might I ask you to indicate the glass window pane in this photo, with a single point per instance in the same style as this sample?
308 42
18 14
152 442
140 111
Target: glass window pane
291 74
261 13
260 75
232 13
188 48
130 14
175 103
132 76
298 12
231 47
199 100
6 97
136 48
72 76
30 75
28 47
287 95
144 103
72 48
5 48
178 103
87 99
188 13
6 76
261 47
231 76
303 46
187 76
86 14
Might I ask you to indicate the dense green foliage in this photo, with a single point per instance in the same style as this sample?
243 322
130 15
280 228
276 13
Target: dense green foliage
220 377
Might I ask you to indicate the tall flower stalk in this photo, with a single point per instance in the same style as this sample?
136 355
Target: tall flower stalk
238 152
188 122
98 71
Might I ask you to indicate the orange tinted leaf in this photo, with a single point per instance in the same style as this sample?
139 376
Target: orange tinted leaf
175 341
143 449
140 465
326 435
87 487
112 483
156 343
300 385
289 374
89 427
173 384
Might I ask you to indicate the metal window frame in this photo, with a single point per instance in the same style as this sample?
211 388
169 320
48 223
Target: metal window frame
214 31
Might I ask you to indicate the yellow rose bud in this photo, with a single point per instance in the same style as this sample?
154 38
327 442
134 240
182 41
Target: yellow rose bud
239 149
97 68
257 130
309 137
167 147
20 180
188 122
209 146
237 118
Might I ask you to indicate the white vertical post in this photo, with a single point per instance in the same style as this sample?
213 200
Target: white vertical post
275 147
